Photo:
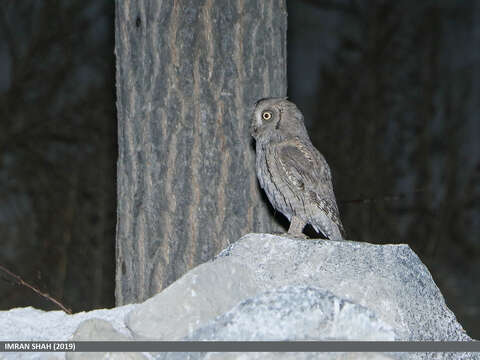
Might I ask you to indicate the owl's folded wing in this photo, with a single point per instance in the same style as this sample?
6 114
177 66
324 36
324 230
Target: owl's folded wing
306 169
298 165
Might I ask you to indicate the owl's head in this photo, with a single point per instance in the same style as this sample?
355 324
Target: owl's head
276 118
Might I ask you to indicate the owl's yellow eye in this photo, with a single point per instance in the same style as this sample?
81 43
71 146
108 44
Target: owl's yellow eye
266 115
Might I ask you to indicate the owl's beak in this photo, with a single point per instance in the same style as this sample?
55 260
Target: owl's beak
253 130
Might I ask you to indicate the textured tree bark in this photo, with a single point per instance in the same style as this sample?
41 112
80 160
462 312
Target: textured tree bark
188 74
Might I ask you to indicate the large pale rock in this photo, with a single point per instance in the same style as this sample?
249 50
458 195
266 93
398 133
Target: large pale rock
267 287
389 280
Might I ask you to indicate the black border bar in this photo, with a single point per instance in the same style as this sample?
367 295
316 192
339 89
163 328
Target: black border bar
241 346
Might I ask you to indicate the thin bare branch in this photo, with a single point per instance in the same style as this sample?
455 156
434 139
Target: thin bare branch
20 281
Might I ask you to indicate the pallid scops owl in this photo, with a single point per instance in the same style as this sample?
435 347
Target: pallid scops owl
291 171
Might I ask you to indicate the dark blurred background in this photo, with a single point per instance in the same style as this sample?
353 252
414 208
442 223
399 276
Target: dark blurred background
391 95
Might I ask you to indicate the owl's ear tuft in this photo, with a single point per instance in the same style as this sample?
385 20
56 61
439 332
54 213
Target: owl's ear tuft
260 100
271 98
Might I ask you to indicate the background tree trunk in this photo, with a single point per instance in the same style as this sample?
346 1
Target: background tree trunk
188 74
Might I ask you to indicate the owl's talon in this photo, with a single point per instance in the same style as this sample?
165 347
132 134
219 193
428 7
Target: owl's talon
298 236
291 235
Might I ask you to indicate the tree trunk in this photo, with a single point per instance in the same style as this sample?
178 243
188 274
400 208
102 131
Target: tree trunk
188 74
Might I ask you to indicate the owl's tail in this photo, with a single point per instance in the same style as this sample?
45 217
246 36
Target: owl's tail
330 229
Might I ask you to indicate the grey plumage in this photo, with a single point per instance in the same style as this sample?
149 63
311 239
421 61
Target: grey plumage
292 172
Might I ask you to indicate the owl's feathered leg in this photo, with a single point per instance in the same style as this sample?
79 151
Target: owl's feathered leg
296 227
